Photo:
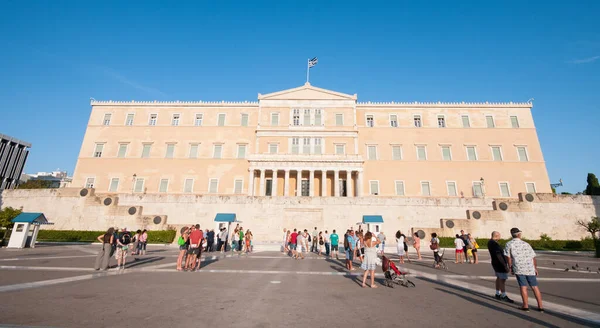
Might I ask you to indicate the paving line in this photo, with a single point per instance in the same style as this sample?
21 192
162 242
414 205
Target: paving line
38 268
51 282
44 258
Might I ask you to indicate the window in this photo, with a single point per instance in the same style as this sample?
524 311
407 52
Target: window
188 185
146 150
339 119
451 186
198 121
296 117
490 121
138 186
372 152
399 188
122 150
213 186
318 146
273 148
514 122
530 187
306 146
175 120
306 119
152 120
425 188
318 117
496 153
89 182
446 153
129 120
477 189
241 151
244 120
394 120
417 121
221 120
471 153
238 185
217 151
522 154
441 121
98 150
274 119
340 149
194 151
504 190
170 150
114 185
421 153
370 122
106 120
374 187
396 153
465 121
164 185
295 145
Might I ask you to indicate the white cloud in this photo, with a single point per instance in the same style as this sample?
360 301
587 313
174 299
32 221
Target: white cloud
584 60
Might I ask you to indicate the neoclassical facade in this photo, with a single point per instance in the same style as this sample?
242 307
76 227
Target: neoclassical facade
312 142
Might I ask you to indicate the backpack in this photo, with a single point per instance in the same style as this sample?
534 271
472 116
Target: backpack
346 245
181 241
125 238
309 238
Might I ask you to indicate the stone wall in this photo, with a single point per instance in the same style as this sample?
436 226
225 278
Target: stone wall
83 209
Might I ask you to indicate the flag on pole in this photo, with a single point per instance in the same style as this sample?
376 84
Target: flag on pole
312 62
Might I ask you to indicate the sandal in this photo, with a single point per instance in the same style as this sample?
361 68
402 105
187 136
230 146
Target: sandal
525 309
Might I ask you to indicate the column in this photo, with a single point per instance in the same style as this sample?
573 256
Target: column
298 182
359 184
311 182
336 183
323 183
274 183
262 182
251 183
349 184
286 183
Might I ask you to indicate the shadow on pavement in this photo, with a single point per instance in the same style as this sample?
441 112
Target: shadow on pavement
137 262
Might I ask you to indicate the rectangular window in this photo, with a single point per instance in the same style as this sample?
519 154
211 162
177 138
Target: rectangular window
471 153
441 121
238 185
194 151
465 121
89 182
394 120
417 121
339 119
318 117
522 154
152 120
244 120
213 186
370 122
241 151
396 153
274 119
122 150
146 150
198 121
425 188
129 120
306 119
188 186
273 148
421 153
306 146
318 146
451 186
477 189
217 151
530 187
490 121
374 187
372 152
106 120
295 145
114 185
446 153
175 120
138 186
514 122
98 150
164 185
296 117
170 150
504 190
221 120
339 149
399 188
496 153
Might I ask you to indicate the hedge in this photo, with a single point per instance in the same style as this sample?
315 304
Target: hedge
154 237
554 245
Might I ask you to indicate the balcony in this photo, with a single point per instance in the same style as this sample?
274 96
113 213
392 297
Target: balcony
305 158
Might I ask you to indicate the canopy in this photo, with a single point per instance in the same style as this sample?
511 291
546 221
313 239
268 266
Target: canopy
225 217
35 218
372 219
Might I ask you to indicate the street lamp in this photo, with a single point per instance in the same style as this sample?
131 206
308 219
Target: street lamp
133 182
556 185
482 187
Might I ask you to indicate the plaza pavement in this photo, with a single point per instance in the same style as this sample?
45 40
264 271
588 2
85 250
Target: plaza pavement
55 286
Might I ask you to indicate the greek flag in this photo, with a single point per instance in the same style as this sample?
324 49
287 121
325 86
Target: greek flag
312 62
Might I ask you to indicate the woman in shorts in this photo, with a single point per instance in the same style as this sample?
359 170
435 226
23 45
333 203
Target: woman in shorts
474 247
185 234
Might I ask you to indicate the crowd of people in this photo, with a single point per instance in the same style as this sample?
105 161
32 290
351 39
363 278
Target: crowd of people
120 244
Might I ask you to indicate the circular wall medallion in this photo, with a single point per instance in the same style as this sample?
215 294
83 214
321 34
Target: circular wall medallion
107 201
529 197
83 192
476 215
157 220
503 206
421 234
132 210
450 224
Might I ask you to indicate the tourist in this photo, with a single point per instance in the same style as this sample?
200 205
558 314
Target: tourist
523 264
349 245
474 247
300 245
465 239
500 266
369 263
417 245
183 243
234 240
327 243
135 242
313 247
194 251
114 243
241 243
286 236
143 242
307 238
210 237
122 248
248 237
400 246
293 243
381 237
103 257
321 242
223 235
360 246
334 239
459 246
435 247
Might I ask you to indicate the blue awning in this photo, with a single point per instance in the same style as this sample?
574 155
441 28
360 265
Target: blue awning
225 217
372 219
38 218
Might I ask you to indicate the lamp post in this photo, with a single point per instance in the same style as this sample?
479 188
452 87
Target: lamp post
133 182
556 185
482 187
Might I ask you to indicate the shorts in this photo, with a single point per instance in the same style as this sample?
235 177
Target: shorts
362 251
183 248
194 251
474 250
459 251
292 246
334 248
524 280
502 275
121 253
349 254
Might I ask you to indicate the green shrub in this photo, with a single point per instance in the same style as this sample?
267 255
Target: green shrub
154 237
586 244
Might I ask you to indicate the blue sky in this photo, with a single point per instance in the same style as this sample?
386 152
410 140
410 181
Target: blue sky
55 55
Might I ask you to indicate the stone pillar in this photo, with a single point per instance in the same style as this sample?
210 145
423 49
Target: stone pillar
286 183
349 184
311 182
251 183
359 184
274 184
336 183
262 182
298 183
323 183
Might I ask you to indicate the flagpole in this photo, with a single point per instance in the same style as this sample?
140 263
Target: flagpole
307 69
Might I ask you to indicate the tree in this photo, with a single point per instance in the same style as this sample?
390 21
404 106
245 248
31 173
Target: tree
593 187
6 215
36 184
593 227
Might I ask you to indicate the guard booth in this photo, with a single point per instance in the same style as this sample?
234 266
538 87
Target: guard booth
25 230
374 223
224 220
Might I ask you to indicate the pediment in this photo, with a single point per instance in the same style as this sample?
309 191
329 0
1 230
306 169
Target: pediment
306 92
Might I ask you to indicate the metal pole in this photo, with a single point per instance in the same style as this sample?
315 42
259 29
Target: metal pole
307 69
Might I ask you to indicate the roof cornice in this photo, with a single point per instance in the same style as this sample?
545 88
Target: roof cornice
447 104
174 103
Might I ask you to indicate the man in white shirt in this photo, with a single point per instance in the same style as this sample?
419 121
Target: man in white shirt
522 263
460 244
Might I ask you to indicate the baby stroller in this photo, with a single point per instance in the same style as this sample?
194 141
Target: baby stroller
440 262
393 275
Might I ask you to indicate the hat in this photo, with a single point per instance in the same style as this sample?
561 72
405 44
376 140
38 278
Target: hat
515 231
